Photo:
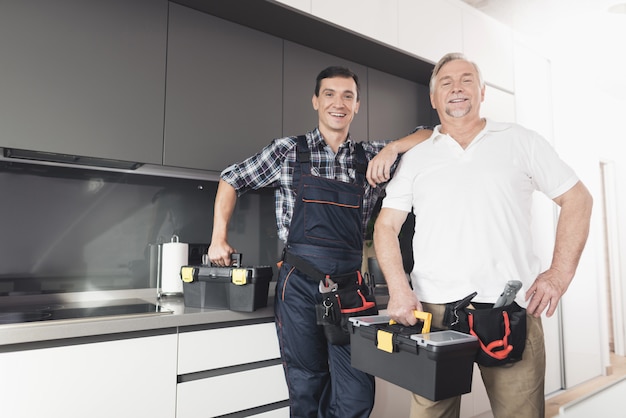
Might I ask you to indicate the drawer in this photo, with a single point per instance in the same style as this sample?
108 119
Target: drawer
276 413
224 347
228 393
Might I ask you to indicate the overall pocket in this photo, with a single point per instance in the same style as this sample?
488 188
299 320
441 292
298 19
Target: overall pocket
332 215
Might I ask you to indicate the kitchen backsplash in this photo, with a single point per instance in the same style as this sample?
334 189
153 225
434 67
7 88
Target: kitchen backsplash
70 229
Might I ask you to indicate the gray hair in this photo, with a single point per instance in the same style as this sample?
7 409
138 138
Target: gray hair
453 56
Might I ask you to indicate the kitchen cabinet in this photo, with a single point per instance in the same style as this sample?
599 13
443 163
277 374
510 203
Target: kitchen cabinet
126 377
390 106
304 5
498 105
405 24
84 78
301 67
430 29
391 400
396 105
489 43
224 90
231 369
394 401
358 16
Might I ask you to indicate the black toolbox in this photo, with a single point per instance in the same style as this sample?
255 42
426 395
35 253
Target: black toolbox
435 365
236 288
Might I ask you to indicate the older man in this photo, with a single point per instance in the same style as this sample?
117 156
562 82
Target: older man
470 187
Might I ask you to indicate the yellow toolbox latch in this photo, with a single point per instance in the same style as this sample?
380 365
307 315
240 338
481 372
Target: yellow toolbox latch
239 276
187 273
384 341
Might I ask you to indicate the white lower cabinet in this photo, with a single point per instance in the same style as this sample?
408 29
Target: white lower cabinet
227 370
276 413
127 377
394 401
192 373
228 393
390 401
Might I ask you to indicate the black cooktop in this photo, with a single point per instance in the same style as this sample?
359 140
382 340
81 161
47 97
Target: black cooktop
58 311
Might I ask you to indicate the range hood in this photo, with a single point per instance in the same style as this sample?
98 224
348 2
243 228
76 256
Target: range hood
69 159
92 163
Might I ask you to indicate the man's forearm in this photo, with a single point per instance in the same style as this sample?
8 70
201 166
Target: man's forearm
225 200
390 260
571 235
404 144
388 251
402 301
572 230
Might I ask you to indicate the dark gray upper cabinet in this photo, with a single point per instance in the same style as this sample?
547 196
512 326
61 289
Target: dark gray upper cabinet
396 105
302 65
224 90
84 77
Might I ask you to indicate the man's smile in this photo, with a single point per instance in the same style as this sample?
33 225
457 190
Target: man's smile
458 100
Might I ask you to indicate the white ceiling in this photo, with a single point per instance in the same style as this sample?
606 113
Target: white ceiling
551 20
588 35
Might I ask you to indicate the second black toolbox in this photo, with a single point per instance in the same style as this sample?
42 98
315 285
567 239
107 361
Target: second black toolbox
235 287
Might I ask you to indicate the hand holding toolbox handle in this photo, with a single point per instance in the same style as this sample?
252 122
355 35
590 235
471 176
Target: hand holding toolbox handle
235 259
239 275
384 339
427 317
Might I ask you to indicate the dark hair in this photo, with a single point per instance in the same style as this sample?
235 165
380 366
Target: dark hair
336 71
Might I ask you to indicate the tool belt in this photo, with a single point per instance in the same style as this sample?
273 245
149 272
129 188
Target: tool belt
501 331
314 274
343 296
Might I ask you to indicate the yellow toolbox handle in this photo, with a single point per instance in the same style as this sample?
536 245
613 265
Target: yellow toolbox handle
427 317
384 339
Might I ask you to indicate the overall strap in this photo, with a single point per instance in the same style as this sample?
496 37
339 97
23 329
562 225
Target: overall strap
360 164
303 155
303 160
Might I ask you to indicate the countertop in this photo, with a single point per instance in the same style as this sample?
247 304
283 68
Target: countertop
180 316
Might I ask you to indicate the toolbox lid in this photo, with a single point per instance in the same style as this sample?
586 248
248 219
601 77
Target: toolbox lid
442 338
357 321
234 275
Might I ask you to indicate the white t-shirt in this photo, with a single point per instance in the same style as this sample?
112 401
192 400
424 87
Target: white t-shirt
473 210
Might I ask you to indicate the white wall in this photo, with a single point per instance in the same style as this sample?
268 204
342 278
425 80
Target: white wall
534 110
589 93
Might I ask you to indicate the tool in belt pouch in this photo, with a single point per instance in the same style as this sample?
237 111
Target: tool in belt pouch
343 296
501 331
340 302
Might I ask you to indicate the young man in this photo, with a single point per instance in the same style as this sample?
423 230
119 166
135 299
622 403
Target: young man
470 186
323 203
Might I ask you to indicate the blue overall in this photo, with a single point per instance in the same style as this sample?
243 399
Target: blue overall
325 230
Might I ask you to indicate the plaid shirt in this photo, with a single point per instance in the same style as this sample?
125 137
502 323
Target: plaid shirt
273 167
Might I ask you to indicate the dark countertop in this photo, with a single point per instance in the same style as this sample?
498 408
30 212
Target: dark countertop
180 316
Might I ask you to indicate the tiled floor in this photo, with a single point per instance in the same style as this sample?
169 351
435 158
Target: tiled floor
555 402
